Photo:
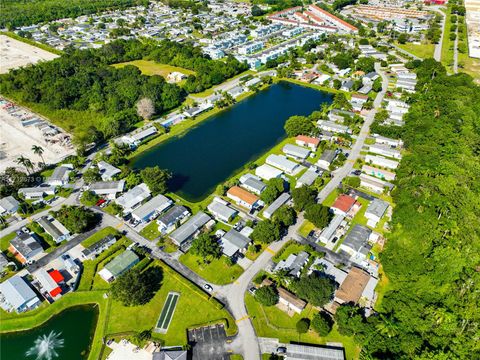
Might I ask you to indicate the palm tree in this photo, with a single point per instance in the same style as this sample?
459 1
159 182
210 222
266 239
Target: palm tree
22 160
38 150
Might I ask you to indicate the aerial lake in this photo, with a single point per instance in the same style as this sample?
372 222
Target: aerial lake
211 152
68 334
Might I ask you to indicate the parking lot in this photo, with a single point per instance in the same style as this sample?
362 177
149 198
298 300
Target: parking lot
208 343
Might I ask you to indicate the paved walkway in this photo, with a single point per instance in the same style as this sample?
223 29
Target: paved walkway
437 55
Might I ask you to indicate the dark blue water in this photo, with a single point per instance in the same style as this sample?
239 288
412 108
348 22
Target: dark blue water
210 153
75 326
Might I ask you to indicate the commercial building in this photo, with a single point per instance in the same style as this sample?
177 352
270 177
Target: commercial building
307 352
190 228
332 19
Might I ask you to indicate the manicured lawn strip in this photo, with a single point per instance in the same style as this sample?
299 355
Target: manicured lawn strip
194 308
291 247
148 67
150 232
305 228
99 236
421 50
5 241
164 311
217 272
18 322
272 322
447 44
171 309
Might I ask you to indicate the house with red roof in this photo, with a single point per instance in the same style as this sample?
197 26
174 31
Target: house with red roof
48 285
311 142
346 205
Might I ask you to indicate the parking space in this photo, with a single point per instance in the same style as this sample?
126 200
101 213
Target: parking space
208 343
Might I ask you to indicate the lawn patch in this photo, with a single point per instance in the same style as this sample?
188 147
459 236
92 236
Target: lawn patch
217 271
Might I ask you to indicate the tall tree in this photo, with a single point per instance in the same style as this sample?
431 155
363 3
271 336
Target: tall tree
27 163
38 150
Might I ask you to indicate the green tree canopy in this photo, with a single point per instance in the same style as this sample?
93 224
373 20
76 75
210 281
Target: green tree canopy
156 179
286 215
266 231
267 295
77 219
322 323
298 125
303 196
318 214
316 289
206 246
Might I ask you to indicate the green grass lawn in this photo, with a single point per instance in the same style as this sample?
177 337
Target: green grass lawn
447 44
193 309
272 322
217 272
421 50
305 228
148 67
5 241
99 236
150 231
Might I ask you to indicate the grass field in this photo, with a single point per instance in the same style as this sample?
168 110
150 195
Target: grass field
447 44
150 231
193 309
5 241
152 68
272 322
217 272
421 50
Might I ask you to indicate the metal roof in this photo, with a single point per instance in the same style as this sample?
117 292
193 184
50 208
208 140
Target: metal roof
184 232
222 210
377 207
16 291
134 196
172 215
274 206
357 237
122 263
305 352
157 203
233 241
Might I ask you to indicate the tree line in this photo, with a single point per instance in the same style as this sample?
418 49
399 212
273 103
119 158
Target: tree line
432 254
83 81
17 13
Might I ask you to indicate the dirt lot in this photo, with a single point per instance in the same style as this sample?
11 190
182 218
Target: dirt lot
15 54
17 140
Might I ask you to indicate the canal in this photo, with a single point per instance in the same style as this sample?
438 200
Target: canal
68 335
211 152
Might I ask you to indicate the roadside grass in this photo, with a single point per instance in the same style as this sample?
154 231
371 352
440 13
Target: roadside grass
217 271
150 232
469 65
148 67
273 322
193 309
5 241
447 44
424 50
305 228
316 87
99 236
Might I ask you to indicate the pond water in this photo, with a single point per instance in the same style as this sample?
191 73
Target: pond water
67 335
211 152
